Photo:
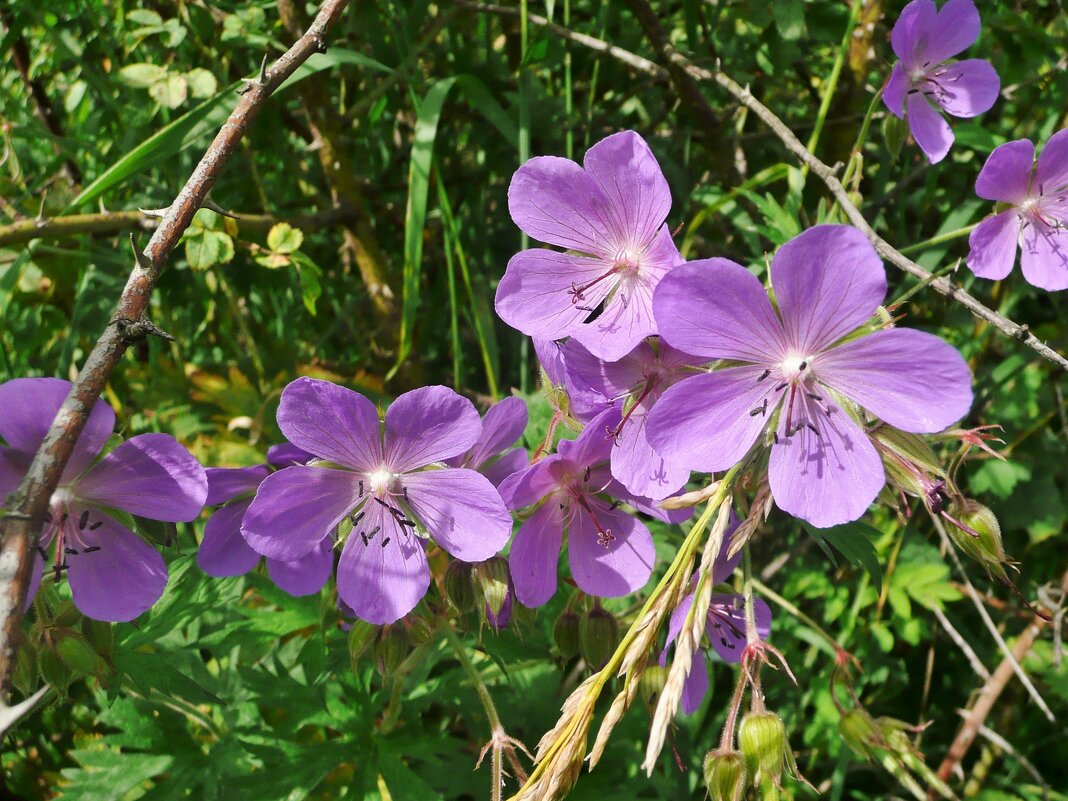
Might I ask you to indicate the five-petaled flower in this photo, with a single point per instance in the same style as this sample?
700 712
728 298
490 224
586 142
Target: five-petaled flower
223 552
797 369
610 216
114 575
724 626
922 82
638 379
492 454
379 480
611 551
1037 217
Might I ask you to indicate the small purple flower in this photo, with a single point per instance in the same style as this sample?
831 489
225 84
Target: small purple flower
1038 213
502 427
377 479
922 82
725 627
223 552
114 575
611 551
798 369
638 379
609 216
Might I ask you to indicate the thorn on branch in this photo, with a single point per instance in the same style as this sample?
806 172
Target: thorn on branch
143 261
263 79
211 205
133 331
154 212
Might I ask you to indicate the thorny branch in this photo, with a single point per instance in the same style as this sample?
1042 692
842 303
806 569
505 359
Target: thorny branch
26 506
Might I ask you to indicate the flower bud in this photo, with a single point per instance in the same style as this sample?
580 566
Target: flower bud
492 579
566 634
420 632
598 637
860 732
726 775
390 650
651 684
78 655
762 737
895 132
100 635
976 532
361 635
459 588
53 669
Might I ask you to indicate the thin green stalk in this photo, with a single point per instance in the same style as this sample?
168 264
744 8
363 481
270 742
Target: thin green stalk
454 310
569 134
476 679
926 282
524 155
940 239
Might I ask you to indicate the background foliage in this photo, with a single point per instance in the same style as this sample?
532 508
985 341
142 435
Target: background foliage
413 123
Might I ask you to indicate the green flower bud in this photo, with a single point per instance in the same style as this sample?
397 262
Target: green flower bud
909 462
651 684
459 588
53 669
762 736
78 655
860 732
978 535
726 775
492 578
361 635
566 634
390 650
895 132
101 636
420 632
24 674
598 637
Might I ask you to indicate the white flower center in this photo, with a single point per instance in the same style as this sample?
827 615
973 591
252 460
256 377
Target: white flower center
60 497
916 75
381 480
794 367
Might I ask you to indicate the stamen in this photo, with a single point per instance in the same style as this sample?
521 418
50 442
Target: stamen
764 375
782 386
761 410
92 549
71 551
385 542
96 525
577 292
586 473
356 518
648 388
83 521
361 489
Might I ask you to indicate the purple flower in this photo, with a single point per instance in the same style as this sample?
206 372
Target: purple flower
611 551
223 552
798 370
1038 213
377 480
609 215
725 627
638 379
922 82
114 574
502 426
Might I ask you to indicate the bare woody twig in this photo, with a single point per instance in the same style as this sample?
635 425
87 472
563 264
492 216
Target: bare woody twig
649 22
26 507
114 222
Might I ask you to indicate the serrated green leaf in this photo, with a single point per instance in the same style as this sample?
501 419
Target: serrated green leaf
284 238
854 542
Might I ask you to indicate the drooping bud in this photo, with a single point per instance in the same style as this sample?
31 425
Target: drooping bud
895 132
78 655
420 631
361 635
976 532
726 775
598 637
390 650
492 579
501 619
762 737
860 732
652 682
459 587
911 466
566 634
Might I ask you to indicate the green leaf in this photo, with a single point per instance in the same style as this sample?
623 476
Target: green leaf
170 92
111 773
143 16
142 76
201 83
310 287
202 250
854 542
789 18
284 238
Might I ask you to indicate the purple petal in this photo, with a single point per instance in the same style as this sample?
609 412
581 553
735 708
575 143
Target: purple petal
504 614
31 404
554 200
427 425
992 245
502 426
723 568
120 580
620 566
629 176
695 687
593 446
461 510
332 422
955 29
550 354
296 508
1007 172
828 280
911 379
894 92
626 320
912 30
534 553
286 454
638 466
611 380
1052 172
36 572
537 293
13 466
929 128
223 551
614 489
306 575
675 624
719 310
384 578
226 483
704 422
151 475
726 627
828 476
968 88
530 485
511 462
1044 256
